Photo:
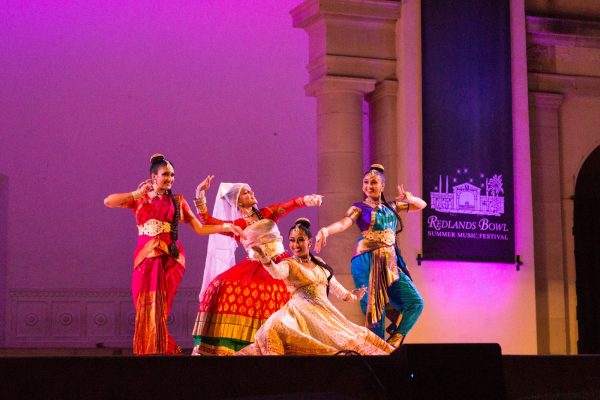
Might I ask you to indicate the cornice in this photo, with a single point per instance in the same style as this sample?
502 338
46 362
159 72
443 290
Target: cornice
546 100
339 84
305 13
563 32
560 83
357 67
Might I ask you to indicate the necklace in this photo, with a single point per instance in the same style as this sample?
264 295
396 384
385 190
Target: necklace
248 215
370 201
302 259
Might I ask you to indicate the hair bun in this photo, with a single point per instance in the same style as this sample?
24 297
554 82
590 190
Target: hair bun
303 221
377 167
156 157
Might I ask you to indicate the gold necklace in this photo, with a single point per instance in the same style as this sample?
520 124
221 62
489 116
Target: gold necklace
248 215
302 260
373 202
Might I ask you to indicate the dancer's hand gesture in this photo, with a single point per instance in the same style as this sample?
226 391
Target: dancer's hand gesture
404 195
236 230
204 185
321 239
143 188
359 292
262 257
312 200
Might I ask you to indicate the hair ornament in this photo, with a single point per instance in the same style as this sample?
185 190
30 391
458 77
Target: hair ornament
377 167
302 221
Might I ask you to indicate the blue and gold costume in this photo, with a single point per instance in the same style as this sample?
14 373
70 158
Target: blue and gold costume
377 264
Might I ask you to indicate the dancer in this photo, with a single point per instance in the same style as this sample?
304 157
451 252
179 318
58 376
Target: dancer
308 324
377 263
236 302
159 259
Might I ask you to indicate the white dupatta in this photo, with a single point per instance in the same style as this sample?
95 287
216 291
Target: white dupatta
220 254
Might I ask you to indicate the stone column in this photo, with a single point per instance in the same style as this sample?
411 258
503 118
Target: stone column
383 131
340 165
548 242
351 47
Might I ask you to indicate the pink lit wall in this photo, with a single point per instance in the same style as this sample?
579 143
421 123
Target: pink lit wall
90 89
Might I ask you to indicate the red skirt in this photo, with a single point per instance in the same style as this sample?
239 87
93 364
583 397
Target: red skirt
235 305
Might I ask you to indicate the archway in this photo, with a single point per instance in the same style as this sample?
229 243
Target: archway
586 228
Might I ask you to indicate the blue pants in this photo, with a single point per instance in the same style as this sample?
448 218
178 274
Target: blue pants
403 296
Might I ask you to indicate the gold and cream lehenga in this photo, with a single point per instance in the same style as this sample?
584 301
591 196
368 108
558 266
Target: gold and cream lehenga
309 324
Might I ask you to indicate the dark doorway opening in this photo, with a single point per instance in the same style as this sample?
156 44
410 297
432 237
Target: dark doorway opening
586 228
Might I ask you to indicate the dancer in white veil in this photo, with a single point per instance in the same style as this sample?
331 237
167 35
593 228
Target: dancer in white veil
220 254
236 302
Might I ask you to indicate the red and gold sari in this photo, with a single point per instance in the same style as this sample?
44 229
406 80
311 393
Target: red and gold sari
156 274
238 301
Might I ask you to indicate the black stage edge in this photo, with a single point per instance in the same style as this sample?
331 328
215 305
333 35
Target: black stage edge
412 372
552 377
419 371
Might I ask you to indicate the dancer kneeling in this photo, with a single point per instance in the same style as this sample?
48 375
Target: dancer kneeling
308 324
237 299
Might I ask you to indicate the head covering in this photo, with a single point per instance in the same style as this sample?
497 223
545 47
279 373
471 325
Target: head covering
220 254
264 234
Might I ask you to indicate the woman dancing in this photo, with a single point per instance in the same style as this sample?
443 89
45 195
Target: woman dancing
239 300
308 324
159 259
377 263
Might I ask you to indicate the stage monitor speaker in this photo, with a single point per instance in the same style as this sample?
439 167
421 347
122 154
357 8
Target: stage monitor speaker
452 371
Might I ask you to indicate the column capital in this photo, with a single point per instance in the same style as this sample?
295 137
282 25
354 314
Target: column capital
383 89
338 84
546 99
307 12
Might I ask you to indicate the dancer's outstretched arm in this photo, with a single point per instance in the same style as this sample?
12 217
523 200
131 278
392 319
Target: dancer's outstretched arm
336 227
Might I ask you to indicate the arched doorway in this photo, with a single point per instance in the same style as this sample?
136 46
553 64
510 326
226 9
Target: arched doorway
586 228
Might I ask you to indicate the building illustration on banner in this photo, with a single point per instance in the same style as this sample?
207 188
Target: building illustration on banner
466 197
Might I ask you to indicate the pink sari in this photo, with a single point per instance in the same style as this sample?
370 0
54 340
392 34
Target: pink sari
156 274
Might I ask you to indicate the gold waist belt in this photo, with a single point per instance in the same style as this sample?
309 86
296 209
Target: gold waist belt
154 227
387 237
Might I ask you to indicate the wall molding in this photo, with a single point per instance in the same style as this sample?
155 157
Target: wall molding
87 317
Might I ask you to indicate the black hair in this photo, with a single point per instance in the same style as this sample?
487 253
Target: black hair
256 211
378 170
156 162
304 225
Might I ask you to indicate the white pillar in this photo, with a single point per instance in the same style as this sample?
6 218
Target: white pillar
383 129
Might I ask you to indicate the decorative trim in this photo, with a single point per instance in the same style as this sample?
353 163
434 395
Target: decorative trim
337 84
563 32
561 83
304 14
87 317
358 67
546 100
383 89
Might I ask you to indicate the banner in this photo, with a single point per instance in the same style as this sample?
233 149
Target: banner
467 131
